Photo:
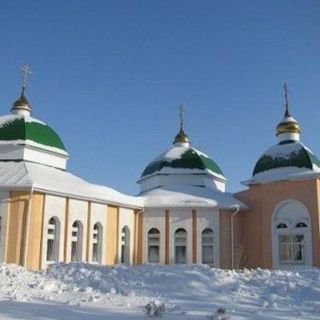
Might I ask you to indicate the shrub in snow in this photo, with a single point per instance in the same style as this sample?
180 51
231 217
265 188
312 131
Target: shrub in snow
220 314
154 309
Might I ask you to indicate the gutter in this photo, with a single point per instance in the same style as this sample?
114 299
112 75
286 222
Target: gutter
232 235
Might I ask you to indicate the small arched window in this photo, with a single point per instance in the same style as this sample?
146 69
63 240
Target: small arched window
282 226
301 225
125 245
154 245
76 241
97 243
53 236
180 245
207 246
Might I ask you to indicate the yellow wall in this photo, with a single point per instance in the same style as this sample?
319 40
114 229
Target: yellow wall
112 235
24 241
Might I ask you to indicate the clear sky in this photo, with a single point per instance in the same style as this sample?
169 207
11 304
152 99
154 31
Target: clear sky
108 76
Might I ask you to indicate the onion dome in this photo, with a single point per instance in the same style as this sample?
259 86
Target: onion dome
21 105
182 165
24 138
289 158
181 160
24 129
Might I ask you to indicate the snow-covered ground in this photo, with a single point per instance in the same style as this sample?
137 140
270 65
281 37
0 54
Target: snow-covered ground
86 292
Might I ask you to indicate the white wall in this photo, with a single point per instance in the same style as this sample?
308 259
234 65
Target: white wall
154 218
98 214
181 218
208 218
54 207
4 196
126 218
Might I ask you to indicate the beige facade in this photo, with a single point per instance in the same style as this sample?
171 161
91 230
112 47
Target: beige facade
255 224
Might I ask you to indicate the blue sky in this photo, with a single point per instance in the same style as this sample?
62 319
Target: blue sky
108 76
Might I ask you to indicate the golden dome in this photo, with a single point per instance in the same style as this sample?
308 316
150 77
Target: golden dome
290 126
181 137
21 104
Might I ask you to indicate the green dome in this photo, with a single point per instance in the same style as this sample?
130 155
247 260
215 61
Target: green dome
287 154
17 128
181 159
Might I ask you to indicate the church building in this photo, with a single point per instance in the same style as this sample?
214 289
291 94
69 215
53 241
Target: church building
182 215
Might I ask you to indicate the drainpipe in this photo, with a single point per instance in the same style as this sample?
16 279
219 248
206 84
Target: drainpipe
232 235
28 227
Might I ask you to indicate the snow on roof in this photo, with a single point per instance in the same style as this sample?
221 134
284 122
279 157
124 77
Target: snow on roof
283 173
22 175
11 117
189 196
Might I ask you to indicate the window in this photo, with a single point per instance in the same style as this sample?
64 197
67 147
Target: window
154 245
97 243
301 225
291 248
76 241
291 235
180 244
281 226
125 245
53 235
207 246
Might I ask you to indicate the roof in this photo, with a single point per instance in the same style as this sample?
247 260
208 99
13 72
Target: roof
24 175
288 160
189 196
287 154
183 159
23 129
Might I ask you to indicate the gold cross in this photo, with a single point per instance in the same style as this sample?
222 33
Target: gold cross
182 111
25 71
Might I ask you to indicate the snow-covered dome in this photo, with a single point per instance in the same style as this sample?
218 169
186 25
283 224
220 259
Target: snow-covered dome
289 159
182 165
23 137
24 129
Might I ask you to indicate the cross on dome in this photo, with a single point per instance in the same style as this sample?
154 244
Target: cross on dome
22 106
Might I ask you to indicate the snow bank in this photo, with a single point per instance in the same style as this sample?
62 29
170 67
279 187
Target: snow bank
189 292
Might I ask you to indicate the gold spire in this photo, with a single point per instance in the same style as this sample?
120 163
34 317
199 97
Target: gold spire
181 137
288 124
22 103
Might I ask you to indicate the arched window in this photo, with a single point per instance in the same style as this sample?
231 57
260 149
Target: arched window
97 243
291 236
154 245
180 246
301 225
76 241
53 237
125 245
207 246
